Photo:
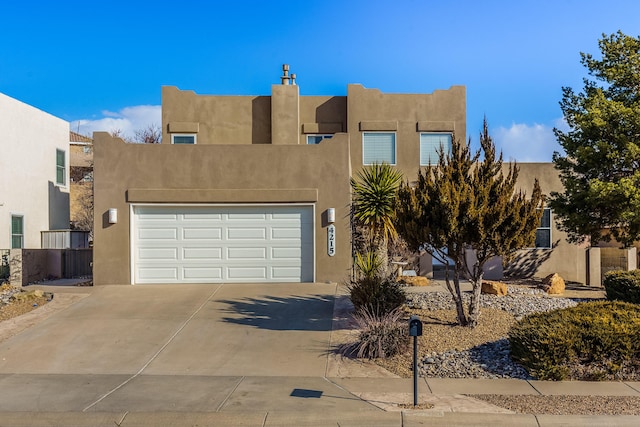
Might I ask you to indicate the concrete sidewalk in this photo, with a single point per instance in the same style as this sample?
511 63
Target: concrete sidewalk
248 355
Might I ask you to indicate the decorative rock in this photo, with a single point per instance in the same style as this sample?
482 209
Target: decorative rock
493 288
413 280
553 284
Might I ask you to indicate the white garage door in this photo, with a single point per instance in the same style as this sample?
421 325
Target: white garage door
217 244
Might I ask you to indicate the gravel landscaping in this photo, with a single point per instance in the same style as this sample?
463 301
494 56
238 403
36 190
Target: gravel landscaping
447 350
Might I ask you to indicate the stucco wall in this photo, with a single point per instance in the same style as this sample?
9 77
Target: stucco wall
206 173
405 114
566 259
28 143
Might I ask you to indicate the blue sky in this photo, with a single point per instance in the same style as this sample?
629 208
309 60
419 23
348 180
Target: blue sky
102 64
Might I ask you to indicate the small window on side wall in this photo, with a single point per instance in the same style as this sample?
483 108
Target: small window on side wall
316 139
183 138
543 233
378 147
61 167
17 231
431 145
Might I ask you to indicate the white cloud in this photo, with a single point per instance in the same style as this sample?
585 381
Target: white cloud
127 120
527 143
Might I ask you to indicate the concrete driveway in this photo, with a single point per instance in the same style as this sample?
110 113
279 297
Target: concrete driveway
198 348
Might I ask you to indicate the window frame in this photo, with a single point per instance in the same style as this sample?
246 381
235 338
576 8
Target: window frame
322 136
394 154
446 152
548 228
15 235
194 135
61 168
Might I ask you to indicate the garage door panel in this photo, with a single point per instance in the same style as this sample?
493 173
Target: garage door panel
285 233
246 253
158 233
213 244
202 233
158 254
206 273
201 253
285 253
207 217
285 273
237 233
247 273
160 274
244 216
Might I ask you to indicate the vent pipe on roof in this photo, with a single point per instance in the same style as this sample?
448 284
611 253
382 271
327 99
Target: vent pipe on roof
285 74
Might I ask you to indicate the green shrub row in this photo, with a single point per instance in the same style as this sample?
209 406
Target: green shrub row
591 341
623 286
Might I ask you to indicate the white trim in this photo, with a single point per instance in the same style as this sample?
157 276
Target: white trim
133 206
194 135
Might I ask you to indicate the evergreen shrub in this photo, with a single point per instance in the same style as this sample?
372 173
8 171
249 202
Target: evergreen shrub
591 341
623 286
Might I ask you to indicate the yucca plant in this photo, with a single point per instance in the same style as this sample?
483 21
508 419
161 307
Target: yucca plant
374 198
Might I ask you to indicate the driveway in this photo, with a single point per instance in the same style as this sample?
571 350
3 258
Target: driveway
201 348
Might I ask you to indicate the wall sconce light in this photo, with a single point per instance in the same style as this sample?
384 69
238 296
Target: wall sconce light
113 215
331 215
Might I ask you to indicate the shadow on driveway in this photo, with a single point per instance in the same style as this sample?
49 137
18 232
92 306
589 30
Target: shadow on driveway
291 313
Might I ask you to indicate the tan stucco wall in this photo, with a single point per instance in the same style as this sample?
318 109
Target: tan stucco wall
442 110
229 120
566 259
209 173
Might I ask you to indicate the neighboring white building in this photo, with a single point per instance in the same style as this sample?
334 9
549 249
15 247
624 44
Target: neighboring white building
34 174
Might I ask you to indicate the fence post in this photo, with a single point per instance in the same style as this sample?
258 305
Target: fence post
594 275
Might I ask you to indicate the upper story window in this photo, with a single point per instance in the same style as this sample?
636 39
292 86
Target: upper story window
61 167
17 231
317 139
183 138
378 147
430 147
543 233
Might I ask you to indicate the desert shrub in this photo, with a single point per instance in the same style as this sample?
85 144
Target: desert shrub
376 295
372 292
380 336
623 286
591 341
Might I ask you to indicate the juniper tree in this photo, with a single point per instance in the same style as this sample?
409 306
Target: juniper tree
601 169
463 204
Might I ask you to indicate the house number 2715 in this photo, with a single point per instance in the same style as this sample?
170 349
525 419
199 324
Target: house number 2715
331 240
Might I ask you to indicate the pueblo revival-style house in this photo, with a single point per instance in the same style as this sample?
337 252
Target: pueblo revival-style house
254 188
257 188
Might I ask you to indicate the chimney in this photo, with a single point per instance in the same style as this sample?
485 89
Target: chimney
285 110
285 74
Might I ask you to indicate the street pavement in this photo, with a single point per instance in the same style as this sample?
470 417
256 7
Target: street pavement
227 355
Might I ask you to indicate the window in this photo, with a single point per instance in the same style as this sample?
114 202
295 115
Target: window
543 233
61 167
178 138
430 144
17 231
378 147
317 139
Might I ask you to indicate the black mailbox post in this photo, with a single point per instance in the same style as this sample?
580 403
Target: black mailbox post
415 330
